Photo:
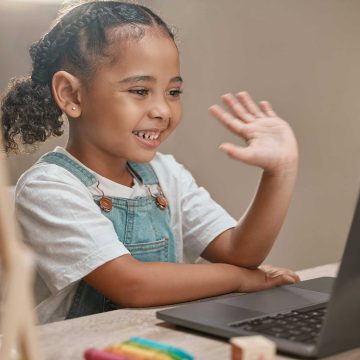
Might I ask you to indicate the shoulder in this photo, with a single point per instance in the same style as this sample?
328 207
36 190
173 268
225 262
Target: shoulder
164 160
166 165
44 177
173 176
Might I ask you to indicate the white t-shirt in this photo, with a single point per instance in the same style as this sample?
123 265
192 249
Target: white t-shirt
71 238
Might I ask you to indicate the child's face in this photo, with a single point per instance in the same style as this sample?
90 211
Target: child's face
132 105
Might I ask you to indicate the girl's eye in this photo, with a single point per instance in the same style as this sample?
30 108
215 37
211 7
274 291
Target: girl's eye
175 92
141 92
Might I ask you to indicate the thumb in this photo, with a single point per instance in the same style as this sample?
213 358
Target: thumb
237 152
280 280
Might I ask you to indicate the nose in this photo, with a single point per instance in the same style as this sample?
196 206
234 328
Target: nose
160 109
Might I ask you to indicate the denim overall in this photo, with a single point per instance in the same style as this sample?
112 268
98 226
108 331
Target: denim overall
141 225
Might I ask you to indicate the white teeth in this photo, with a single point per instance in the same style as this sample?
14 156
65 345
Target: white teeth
150 135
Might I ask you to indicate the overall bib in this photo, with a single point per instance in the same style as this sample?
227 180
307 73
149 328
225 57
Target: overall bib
140 224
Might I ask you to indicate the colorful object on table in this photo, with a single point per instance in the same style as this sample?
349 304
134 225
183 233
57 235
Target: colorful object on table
252 348
138 349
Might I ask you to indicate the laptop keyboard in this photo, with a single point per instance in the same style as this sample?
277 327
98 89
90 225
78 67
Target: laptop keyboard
302 325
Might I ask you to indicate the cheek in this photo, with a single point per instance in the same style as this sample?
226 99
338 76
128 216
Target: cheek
121 117
177 113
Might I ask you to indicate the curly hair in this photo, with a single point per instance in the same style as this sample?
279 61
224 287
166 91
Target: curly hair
78 43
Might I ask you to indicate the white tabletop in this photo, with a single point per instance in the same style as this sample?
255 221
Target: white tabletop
68 339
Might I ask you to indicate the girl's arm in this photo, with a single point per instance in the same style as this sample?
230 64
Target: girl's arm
132 283
271 145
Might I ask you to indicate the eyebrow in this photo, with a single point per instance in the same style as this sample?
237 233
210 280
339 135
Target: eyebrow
139 78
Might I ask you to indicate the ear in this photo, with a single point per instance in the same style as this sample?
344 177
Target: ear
66 89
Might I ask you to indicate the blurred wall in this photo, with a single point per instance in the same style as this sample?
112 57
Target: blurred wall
303 56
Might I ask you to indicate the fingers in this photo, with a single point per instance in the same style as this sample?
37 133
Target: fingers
280 280
259 279
237 109
244 108
249 105
267 109
293 275
289 275
272 271
232 123
247 120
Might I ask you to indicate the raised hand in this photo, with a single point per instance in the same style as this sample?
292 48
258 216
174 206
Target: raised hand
271 143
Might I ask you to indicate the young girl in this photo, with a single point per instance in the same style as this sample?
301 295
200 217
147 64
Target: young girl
108 216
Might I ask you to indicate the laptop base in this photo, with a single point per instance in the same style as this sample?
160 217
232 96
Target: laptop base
216 315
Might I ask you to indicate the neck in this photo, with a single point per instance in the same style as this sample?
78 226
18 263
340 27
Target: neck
104 164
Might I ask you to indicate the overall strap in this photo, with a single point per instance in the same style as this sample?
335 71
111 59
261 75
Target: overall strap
143 171
85 176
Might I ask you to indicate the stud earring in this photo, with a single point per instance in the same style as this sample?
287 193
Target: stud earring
73 108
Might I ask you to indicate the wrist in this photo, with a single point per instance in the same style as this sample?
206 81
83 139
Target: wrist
234 275
287 168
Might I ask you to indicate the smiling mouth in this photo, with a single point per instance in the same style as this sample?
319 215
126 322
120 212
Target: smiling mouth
149 139
147 135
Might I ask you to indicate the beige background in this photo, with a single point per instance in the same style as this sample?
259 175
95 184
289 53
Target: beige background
302 55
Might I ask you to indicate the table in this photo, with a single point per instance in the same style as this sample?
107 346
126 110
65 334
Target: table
65 340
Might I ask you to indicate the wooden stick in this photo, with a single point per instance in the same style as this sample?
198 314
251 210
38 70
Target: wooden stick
18 323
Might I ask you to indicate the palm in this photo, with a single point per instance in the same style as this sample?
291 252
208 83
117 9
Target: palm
271 144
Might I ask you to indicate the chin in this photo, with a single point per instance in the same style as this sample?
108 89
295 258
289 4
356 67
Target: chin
141 157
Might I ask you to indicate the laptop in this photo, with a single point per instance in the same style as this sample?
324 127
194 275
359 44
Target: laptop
313 318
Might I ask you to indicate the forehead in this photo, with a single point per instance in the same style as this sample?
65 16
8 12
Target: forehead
151 54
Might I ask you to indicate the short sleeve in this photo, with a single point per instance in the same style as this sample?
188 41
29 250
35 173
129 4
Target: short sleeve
196 218
63 225
203 219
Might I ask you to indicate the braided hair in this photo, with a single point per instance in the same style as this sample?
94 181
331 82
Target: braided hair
77 43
